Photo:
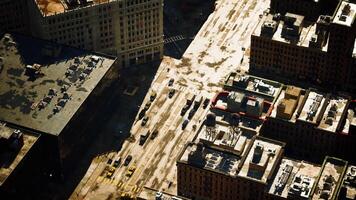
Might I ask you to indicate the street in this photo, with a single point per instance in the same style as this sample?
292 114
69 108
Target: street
217 49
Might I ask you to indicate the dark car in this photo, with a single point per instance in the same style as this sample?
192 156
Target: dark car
147 105
171 93
154 134
171 81
191 113
128 160
206 103
109 161
141 114
184 124
144 121
117 162
184 109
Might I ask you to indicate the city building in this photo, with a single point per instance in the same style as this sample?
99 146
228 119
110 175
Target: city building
320 53
132 30
313 124
294 180
53 90
18 169
14 16
226 166
330 179
311 9
348 187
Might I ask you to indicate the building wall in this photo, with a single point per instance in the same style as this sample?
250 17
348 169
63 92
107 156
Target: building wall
131 30
304 141
14 16
201 184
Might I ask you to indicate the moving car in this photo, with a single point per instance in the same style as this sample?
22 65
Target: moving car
171 81
128 160
206 103
154 134
184 109
117 162
171 93
185 123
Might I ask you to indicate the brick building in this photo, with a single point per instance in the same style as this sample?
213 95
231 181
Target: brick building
321 52
313 124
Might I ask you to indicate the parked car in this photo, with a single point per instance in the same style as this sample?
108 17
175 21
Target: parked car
185 123
128 160
184 109
117 162
171 93
171 81
191 113
206 103
154 134
141 114
147 105
144 121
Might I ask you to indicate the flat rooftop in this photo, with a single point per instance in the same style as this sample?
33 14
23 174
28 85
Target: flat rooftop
258 86
330 178
10 160
312 107
53 7
262 159
306 33
42 84
334 114
225 137
349 182
345 14
211 159
294 179
350 118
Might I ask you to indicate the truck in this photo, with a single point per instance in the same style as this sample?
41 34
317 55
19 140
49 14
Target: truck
198 101
143 137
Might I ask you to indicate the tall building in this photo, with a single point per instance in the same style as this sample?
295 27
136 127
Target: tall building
14 16
313 124
132 30
51 90
240 170
320 52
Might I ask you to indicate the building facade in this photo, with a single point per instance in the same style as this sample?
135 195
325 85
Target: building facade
320 53
132 30
313 124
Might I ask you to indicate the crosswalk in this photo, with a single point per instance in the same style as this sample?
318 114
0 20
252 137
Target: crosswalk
173 39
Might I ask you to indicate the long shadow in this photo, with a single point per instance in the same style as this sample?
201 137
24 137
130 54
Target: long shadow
183 18
113 123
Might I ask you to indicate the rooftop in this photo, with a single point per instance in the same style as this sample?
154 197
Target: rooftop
42 84
228 137
53 7
203 156
287 103
345 14
349 182
257 86
330 178
10 159
350 121
334 114
313 107
300 33
294 178
262 159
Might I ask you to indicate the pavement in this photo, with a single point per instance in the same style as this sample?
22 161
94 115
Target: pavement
216 50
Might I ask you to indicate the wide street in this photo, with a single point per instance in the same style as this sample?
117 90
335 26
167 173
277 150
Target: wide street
218 49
